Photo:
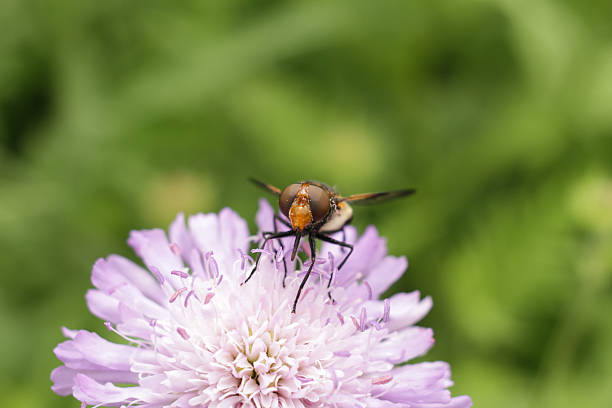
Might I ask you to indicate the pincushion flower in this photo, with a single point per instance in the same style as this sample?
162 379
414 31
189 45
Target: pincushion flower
195 337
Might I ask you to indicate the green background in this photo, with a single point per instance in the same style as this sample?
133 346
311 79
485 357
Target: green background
115 115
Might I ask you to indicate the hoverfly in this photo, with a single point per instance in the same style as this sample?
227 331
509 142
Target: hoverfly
315 210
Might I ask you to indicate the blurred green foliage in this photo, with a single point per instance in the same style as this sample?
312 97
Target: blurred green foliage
116 115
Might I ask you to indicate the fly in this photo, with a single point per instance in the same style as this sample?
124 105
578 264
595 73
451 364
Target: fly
315 210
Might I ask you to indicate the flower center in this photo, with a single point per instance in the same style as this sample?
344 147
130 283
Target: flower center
258 363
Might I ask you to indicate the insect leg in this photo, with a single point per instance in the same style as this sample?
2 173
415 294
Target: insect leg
282 220
267 236
311 241
343 231
329 239
277 218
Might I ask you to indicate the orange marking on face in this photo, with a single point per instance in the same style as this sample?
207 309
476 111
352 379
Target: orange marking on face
300 214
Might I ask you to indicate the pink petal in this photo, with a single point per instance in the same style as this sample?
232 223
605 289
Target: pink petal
115 271
103 306
403 346
93 393
379 403
419 383
154 249
69 333
180 235
89 351
223 234
127 294
458 402
178 380
369 250
121 307
385 273
63 378
138 327
405 309
265 216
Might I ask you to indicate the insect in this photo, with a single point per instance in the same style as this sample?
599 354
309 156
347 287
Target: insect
315 210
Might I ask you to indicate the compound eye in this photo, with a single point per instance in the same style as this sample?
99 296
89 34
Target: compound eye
319 202
286 198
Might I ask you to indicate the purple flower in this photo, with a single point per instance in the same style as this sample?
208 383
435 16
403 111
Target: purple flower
197 338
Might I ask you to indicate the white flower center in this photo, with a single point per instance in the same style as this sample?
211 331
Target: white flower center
245 348
263 362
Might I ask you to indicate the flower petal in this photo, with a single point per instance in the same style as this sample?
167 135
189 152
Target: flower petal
91 392
264 219
385 273
368 251
154 249
419 383
107 304
223 234
114 272
184 243
103 306
90 352
458 402
180 236
63 378
404 346
405 309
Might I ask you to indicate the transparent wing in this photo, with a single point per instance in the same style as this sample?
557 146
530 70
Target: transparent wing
371 198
